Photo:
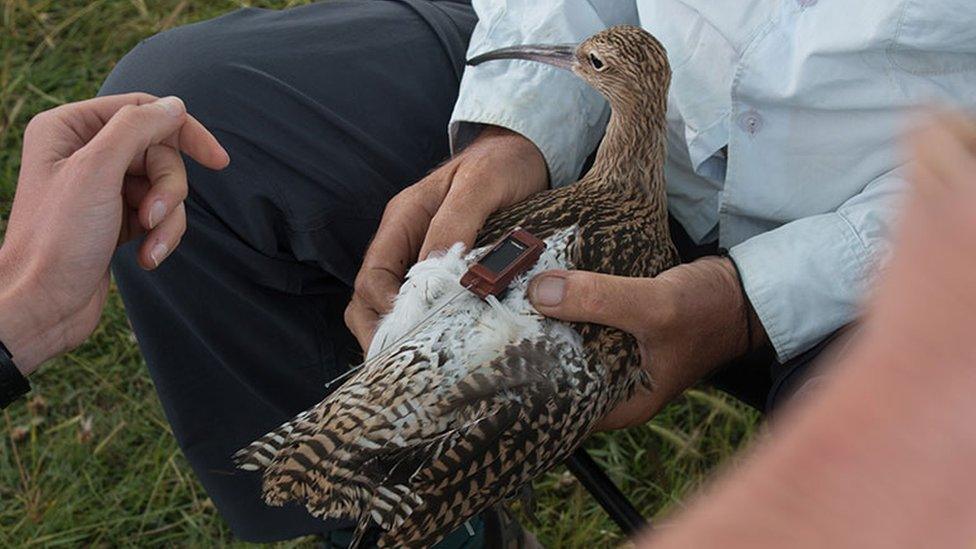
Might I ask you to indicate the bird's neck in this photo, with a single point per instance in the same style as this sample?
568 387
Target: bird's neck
631 155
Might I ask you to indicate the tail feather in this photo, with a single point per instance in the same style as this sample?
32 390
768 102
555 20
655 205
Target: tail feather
259 454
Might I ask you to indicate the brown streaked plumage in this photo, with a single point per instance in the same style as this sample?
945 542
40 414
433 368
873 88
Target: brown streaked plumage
425 439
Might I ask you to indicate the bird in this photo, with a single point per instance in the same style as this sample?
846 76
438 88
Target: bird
456 414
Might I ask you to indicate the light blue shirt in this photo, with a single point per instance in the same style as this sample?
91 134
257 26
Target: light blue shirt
808 96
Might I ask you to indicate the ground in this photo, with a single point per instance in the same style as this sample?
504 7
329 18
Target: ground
90 459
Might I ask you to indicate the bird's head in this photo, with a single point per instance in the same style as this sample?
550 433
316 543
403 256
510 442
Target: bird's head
624 63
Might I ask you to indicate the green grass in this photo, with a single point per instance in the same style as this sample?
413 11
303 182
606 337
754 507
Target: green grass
97 465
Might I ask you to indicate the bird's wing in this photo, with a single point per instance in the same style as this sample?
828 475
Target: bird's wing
523 427
322 465
319 455
349 457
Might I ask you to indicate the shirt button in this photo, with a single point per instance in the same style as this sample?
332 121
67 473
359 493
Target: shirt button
806 3
751 122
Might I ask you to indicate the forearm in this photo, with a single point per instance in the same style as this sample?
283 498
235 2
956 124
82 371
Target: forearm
870 463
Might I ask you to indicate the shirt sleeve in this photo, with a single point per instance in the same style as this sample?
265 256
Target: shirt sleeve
551 107
806 279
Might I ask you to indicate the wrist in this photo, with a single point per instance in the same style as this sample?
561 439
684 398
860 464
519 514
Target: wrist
713 311
28 330
517 149
753 335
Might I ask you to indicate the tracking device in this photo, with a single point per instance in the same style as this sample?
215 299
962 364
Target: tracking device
514 254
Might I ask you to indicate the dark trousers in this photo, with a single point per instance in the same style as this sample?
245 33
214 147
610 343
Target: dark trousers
327 111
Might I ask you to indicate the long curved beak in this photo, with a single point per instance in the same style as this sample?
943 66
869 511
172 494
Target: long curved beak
560 55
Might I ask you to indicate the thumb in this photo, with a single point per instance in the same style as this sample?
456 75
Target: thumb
131 130
581 296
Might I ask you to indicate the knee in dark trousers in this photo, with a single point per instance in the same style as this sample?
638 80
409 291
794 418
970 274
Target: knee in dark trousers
327 111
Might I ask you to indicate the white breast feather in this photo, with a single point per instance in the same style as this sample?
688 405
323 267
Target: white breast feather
474 329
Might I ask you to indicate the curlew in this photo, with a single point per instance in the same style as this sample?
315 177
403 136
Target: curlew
464 411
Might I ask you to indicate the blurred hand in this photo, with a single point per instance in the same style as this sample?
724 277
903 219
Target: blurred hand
943 150
498 169
927 296
687 321
94 174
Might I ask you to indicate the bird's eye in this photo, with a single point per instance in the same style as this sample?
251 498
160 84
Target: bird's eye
596 62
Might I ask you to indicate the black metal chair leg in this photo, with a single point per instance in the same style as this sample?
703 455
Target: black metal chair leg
606 493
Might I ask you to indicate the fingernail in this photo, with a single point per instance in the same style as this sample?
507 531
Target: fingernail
172 105
158 253
549 291
156 213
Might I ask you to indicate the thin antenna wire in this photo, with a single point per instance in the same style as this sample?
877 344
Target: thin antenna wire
385 351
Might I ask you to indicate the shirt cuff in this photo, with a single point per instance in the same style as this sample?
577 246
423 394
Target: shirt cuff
804 279
551 107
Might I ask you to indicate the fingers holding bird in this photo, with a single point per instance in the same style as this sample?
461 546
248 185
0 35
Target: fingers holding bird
687 321
448 206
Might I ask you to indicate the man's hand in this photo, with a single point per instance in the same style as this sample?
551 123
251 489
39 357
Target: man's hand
94 174
498 169
687 321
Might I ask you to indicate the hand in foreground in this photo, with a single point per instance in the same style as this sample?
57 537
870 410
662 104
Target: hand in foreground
498 169
927 294
687 321
94 174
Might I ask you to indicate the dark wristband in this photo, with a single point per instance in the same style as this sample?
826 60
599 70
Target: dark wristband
745 297
13 384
